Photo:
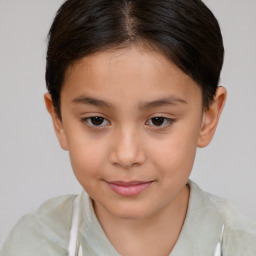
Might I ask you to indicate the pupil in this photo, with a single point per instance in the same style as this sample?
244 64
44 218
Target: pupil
158 121
97 120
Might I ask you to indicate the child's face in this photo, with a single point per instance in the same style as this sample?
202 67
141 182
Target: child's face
136 157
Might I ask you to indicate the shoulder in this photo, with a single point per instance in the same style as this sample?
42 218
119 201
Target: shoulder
239 237
240 234
44 232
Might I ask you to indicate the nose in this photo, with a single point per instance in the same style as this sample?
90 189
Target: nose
127 150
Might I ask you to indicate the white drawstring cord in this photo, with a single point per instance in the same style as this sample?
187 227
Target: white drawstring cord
218 250
74 229
80 252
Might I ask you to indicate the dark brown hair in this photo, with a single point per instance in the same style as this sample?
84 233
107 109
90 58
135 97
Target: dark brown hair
185 31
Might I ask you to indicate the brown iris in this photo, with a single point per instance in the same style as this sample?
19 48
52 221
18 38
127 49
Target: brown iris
157 121
97 120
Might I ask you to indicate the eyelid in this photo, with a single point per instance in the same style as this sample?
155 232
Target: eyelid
168 119
89 123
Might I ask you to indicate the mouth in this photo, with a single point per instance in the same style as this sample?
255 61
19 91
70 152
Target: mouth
128 189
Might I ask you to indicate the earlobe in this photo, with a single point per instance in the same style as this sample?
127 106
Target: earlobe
211 117
57 123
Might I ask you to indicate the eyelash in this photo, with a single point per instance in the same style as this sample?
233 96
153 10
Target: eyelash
88 120
167 122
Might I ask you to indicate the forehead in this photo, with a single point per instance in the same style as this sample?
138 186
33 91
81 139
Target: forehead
132 73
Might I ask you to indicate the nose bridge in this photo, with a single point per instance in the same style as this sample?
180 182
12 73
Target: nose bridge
128 150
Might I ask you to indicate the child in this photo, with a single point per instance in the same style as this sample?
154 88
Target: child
133 91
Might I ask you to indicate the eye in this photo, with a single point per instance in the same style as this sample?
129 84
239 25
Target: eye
160 121
96 121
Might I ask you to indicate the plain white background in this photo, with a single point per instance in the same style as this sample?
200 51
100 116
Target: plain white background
34 168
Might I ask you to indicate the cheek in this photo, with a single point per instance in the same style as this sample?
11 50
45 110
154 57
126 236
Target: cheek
87 156
175 159
175 155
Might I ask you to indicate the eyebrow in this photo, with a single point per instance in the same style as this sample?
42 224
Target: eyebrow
168 101
92 101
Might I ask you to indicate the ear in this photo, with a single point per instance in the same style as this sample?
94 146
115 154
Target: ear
211 117
57 123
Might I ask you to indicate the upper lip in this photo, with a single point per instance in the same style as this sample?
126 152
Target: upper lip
128 183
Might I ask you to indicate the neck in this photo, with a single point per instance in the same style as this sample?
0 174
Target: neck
159 230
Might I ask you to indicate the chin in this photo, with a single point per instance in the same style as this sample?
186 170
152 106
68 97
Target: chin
134 212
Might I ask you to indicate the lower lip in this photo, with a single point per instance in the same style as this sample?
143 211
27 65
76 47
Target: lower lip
129 190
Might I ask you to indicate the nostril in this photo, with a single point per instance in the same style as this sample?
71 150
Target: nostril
127 159
126 148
